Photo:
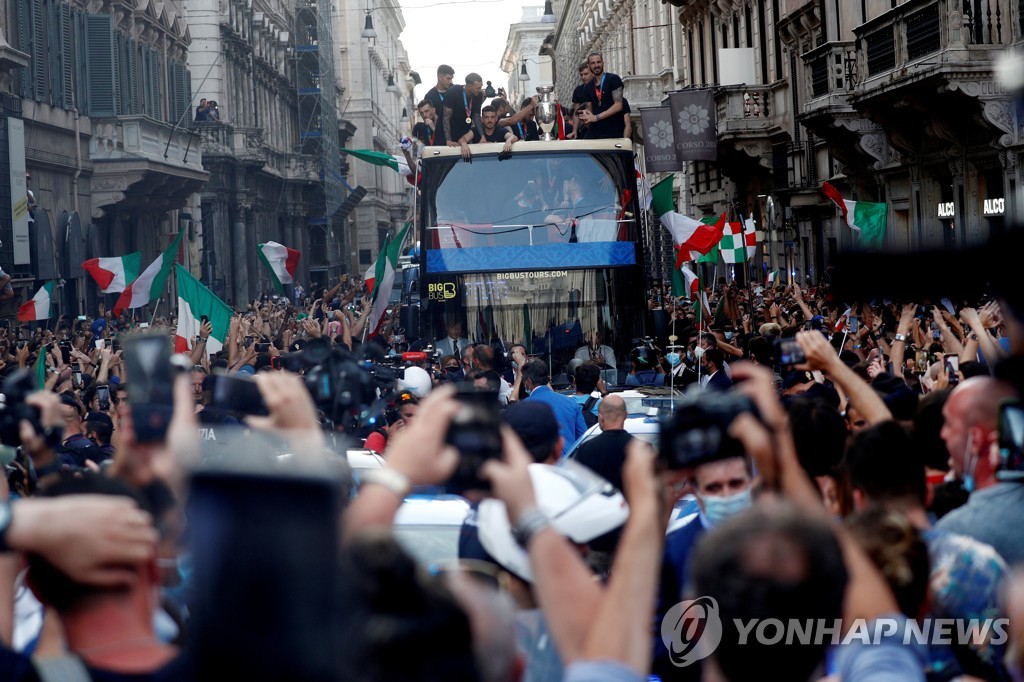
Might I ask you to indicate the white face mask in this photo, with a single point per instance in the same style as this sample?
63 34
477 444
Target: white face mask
698 352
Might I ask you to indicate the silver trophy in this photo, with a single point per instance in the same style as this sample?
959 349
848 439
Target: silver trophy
546 112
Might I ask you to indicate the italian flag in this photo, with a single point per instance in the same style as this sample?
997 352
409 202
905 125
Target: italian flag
691 283
773 277
865 218
114 274
281 262
150 284
693 238
384 276
392 161
194 302
40 368
39 307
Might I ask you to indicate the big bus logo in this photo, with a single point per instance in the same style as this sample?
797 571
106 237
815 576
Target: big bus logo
441 291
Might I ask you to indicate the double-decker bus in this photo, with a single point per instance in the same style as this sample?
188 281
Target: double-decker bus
539 247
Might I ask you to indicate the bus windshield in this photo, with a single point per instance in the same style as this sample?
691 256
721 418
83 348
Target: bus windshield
539 249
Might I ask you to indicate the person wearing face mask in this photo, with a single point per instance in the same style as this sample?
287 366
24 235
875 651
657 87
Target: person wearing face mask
713 374
971 435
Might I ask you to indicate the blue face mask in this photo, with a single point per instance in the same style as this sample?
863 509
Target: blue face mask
728 336
970 462
720 509
673 358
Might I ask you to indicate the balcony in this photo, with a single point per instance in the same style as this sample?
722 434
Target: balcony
924 39
749 120
142 162
647 90
830 78
222 141
925 73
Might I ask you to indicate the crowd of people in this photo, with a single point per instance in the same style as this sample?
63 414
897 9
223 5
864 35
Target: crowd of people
822 461
455 114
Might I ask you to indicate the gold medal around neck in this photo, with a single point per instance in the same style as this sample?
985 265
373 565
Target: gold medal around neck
469 120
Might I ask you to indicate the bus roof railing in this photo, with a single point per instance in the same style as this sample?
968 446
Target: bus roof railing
495 148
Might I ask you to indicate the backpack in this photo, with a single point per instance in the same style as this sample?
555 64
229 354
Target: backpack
589 418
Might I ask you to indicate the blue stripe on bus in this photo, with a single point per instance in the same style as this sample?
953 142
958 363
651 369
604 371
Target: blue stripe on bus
540 257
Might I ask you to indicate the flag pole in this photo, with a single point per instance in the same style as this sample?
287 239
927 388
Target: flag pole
156 309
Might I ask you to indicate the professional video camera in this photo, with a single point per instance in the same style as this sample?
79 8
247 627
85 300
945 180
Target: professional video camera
13 408
341 384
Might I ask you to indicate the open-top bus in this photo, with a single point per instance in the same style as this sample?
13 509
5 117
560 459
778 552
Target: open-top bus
540 247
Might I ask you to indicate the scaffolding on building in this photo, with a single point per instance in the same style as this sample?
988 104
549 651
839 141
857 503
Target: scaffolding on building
316 88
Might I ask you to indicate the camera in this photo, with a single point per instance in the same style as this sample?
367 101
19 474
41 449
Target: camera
15 389
341 385
697 433
788 353
237 394
475 432
1011 441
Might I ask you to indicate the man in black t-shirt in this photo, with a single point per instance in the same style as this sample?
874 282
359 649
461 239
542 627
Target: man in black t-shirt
492 132
428 131
604 95
523 123
579 100
511 119
436 94
462 105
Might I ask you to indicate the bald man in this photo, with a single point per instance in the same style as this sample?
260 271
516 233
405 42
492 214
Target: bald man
606 452
970 431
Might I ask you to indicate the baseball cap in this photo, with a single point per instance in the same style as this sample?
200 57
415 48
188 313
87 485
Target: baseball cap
98 325
535 424
247 369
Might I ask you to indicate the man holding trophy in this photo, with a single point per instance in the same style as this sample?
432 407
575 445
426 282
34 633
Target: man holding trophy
604 116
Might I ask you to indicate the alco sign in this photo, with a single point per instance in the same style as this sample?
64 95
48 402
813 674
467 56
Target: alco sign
947 209
994 207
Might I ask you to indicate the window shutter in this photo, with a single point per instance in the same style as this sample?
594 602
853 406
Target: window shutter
134 105
121 72
172 92
182 97
38 51
99 38
80 61
52 94
67 52
154 76
23 11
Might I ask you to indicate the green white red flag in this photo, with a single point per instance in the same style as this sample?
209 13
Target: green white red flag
866 218
38 307
393 161
384 276
195 302
281 262
773 278
113 275
150 284
693 238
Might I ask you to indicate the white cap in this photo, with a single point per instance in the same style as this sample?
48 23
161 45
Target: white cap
581 505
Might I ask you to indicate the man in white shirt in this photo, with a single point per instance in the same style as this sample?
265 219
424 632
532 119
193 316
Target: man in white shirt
597 351
454 343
